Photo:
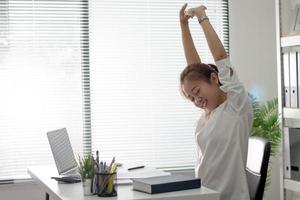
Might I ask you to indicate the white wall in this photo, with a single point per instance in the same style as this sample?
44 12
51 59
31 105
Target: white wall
252 45
253 53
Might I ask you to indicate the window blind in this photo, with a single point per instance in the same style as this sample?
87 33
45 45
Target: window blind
136 56
43 62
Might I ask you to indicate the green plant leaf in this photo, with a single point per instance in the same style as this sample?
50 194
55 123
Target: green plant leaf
86 166
266 125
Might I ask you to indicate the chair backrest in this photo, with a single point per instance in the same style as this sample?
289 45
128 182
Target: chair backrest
257 166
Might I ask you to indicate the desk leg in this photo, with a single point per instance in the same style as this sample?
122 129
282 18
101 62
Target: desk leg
47 196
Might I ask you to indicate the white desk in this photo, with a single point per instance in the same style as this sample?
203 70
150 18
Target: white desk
74 191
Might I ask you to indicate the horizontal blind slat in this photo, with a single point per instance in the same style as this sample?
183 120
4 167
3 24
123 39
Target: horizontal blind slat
137 111
42 47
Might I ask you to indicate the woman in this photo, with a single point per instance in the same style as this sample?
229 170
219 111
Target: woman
222 131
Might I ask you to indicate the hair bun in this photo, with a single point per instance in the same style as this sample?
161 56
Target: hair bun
214 67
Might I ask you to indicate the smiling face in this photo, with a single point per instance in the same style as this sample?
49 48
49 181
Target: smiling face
204 94
200 84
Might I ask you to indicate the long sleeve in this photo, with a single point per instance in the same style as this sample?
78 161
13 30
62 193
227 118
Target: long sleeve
237 96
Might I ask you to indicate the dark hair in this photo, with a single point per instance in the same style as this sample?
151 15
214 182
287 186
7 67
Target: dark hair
198 71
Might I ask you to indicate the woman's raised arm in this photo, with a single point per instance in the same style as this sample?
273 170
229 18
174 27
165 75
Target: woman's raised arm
215 45
190 51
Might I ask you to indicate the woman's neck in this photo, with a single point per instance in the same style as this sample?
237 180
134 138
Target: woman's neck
222 98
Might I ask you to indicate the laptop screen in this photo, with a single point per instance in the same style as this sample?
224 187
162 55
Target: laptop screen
62 150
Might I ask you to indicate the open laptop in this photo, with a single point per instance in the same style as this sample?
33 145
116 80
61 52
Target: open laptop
63 153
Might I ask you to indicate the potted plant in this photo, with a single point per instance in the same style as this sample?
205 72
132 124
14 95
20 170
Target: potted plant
266 125
87 172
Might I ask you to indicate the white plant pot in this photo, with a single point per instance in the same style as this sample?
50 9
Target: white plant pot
87 187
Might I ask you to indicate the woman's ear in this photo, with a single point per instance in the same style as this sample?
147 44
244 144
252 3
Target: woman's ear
214 78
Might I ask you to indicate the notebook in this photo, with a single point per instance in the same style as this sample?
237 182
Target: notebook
174 182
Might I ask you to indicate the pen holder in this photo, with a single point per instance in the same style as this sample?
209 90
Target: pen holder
106 184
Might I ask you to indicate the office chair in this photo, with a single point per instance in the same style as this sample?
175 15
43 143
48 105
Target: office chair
257 166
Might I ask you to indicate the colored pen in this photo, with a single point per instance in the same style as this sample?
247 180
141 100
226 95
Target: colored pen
112 162
97 156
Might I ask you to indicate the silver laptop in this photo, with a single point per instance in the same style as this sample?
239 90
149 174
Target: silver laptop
62 152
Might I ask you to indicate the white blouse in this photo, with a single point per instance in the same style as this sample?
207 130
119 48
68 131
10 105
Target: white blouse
222 140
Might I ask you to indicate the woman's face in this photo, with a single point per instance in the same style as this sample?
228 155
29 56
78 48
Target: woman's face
203 94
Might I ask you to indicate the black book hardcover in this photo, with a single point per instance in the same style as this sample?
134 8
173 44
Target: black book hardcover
174 182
